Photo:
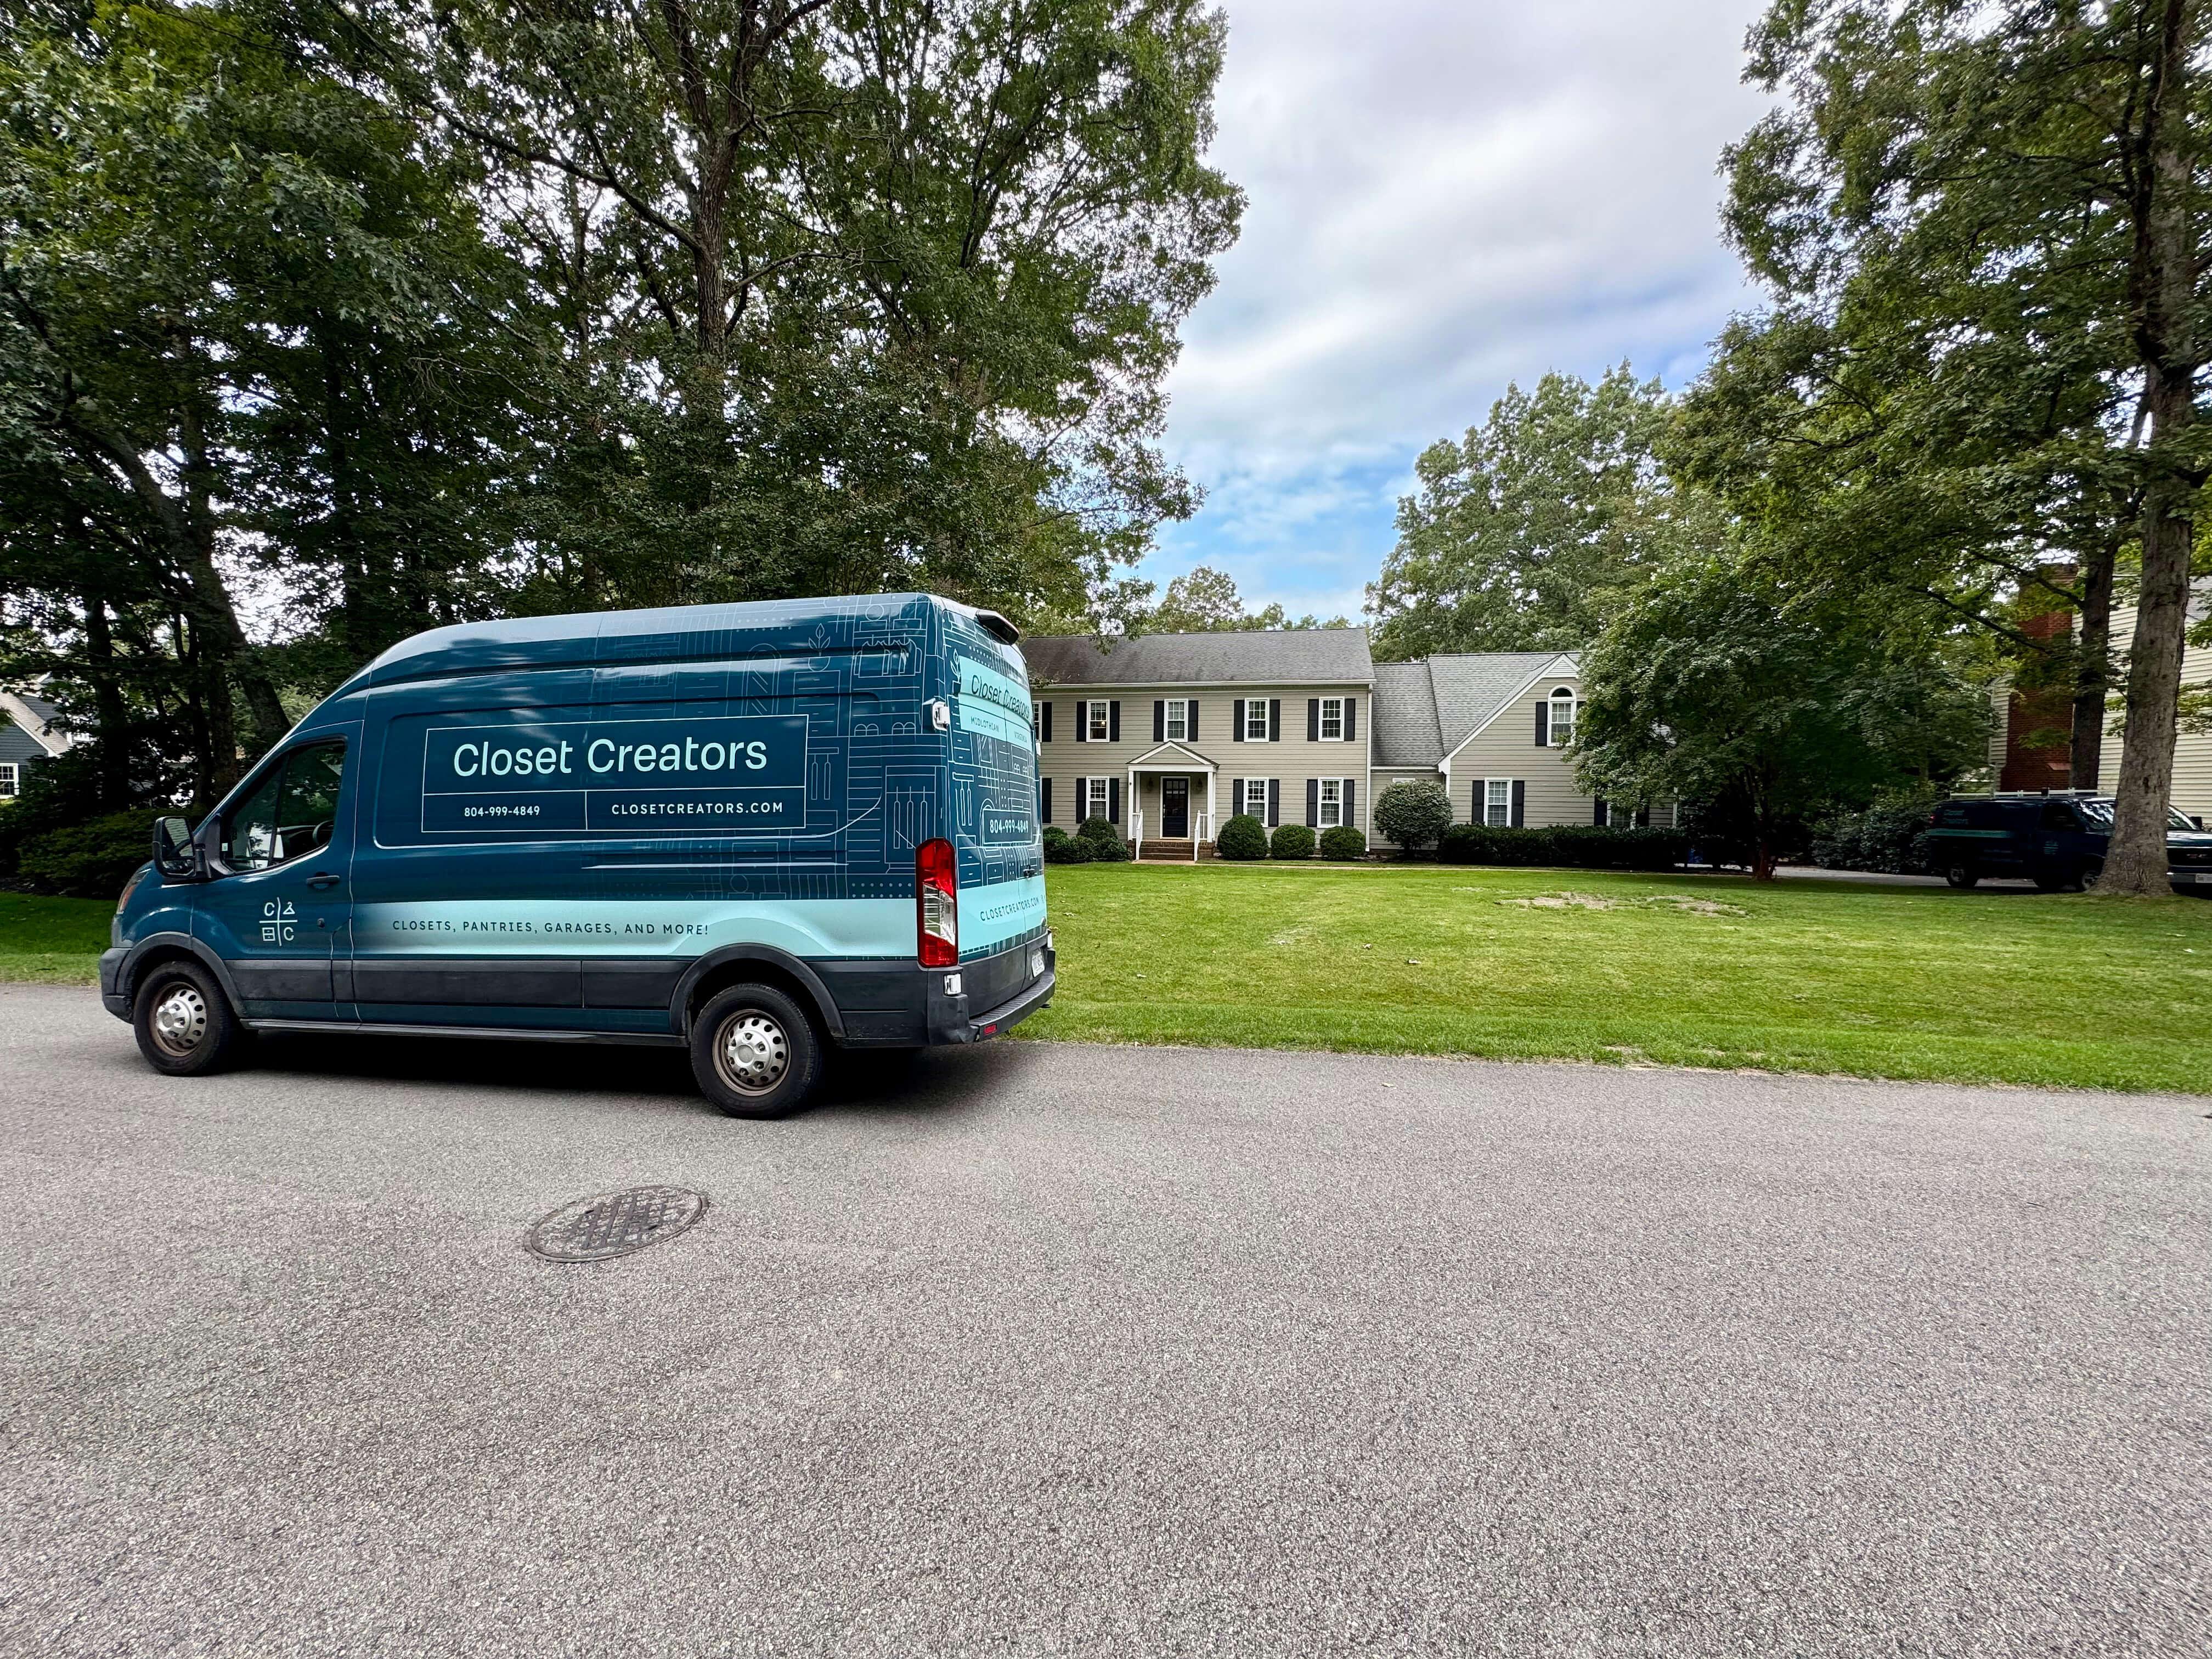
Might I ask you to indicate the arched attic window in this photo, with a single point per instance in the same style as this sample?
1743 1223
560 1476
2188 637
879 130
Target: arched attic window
1562 716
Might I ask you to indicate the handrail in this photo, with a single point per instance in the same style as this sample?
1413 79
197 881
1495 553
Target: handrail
1136 831
1205 823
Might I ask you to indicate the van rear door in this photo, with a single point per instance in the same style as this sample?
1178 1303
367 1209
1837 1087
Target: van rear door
994 803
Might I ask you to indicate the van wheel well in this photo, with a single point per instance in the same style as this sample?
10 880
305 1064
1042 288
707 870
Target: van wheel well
155 959
714 983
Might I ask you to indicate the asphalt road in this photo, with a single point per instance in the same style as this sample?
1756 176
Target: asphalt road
1049 1350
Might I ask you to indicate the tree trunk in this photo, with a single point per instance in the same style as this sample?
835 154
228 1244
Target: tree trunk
2164 280
112 781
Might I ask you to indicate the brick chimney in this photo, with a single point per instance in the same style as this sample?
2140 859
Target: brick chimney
2039 714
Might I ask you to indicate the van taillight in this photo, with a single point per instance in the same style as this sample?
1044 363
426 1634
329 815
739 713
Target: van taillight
936 904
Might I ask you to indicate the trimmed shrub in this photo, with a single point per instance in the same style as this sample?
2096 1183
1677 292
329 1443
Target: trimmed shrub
1414 815
1579 847
1242 837
1890 835
1104 840
1290 841
1060 847
90 860
1343 842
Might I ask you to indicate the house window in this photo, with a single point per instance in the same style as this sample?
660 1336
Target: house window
1563 716
1620 814
1094 720
1332 720
1332 803
1497 802
1255 720
1098 787
1178 719
9 781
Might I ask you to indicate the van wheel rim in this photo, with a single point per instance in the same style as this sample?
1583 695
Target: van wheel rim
180 1020
752 1052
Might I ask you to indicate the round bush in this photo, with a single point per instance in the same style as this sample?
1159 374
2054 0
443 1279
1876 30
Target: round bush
1414 815
1290 841
1105 841
1242 837
1343 842
1060 847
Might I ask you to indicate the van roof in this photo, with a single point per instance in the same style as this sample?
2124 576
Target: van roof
671 633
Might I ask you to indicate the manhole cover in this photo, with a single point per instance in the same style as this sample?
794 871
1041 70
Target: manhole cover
615 1223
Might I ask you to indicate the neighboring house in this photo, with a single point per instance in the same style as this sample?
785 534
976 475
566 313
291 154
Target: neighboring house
27 739
1169 735
2029 742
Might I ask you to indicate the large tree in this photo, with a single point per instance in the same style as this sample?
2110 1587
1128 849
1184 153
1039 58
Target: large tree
1524 531
2023 182
857 294
245 333
1717 685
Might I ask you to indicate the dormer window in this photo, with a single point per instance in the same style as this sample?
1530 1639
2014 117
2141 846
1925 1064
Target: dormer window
1563 716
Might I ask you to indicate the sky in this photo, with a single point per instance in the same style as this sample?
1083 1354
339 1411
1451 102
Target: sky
1444 197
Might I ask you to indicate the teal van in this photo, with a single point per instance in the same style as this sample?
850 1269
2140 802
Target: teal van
753 830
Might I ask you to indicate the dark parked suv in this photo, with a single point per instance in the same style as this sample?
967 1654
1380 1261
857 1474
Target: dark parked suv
2057 839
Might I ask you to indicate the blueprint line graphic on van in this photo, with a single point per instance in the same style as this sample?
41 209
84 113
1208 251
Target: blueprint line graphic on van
757 832
735 775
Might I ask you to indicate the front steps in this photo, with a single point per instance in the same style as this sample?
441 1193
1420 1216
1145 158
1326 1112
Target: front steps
1159 850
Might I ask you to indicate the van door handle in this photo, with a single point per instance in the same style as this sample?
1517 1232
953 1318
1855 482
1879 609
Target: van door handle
322 879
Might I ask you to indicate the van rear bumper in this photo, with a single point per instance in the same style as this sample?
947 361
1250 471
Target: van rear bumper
910 1006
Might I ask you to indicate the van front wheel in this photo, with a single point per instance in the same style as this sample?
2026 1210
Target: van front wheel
184 1023
754 1052
1960 874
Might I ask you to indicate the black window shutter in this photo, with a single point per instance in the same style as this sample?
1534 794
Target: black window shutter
1113 725
1351 805
1113 800
1520 802
1082 805
1313 803
1237 736
1352 719
1543 725
1159 718
1313 719
1643 817
1274 802
1044 800
1597 812
1190 720
1047 722
1274 720
1082 721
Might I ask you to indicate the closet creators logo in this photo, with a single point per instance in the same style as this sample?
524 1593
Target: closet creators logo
743 774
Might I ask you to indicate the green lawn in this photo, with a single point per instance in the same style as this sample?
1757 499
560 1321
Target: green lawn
2003 986
1993 985
53 941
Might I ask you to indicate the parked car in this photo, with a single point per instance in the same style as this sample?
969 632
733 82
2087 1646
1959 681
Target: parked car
757 832
2056 840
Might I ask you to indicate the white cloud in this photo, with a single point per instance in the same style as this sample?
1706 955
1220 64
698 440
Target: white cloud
1443 197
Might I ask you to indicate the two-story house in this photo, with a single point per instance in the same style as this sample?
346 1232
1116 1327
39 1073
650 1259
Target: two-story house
1169 735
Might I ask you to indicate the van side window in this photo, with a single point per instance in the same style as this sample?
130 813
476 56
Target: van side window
2057 814
288 813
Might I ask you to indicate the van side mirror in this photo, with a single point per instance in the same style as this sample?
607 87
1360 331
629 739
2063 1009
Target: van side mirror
175 854
2197 818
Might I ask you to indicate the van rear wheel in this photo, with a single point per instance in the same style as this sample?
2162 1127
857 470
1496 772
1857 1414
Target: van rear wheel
1961 874
754 1052
184 1023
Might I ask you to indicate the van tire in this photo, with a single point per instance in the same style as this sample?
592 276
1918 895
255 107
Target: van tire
1962 875
184 1023
754 1052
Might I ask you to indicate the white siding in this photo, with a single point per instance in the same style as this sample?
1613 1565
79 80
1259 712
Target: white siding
2193 751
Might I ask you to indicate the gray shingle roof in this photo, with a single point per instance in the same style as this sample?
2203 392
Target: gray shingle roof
1304 656
1424 710
1405 732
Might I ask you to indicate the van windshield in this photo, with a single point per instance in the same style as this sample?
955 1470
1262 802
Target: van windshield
2099 815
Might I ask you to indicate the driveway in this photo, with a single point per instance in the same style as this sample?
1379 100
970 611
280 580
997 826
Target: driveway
1055 1349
